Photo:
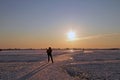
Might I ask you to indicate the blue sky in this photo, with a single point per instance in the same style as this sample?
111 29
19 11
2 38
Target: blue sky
41 21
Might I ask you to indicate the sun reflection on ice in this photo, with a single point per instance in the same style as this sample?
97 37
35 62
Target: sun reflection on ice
71 50
71 58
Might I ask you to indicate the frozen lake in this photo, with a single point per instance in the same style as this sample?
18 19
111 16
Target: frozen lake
26 55
82 65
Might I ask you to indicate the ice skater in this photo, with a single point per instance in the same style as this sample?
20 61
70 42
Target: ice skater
49 53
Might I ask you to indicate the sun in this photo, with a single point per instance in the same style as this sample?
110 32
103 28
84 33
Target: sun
71 36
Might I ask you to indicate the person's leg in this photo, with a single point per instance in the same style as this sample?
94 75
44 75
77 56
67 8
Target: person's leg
51 58
48 58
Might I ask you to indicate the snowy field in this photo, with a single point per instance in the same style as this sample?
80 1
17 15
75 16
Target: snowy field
15 64
25 55
95 65
87 65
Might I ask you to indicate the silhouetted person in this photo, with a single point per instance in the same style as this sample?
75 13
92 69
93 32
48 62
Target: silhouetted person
49 53
83 50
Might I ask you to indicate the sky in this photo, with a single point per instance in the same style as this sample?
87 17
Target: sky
44 23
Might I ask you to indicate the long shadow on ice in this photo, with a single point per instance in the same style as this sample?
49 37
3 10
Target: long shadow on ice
30 74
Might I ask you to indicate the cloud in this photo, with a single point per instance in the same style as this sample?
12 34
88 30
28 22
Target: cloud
99 36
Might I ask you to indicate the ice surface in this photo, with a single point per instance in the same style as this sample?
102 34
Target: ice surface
87 65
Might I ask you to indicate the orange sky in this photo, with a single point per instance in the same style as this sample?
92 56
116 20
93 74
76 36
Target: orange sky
98 41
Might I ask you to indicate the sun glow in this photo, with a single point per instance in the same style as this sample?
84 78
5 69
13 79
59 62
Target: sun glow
71 36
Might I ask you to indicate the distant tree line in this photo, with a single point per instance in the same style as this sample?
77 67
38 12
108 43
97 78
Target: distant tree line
9 49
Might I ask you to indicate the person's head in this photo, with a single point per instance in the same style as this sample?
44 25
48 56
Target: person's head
49 47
